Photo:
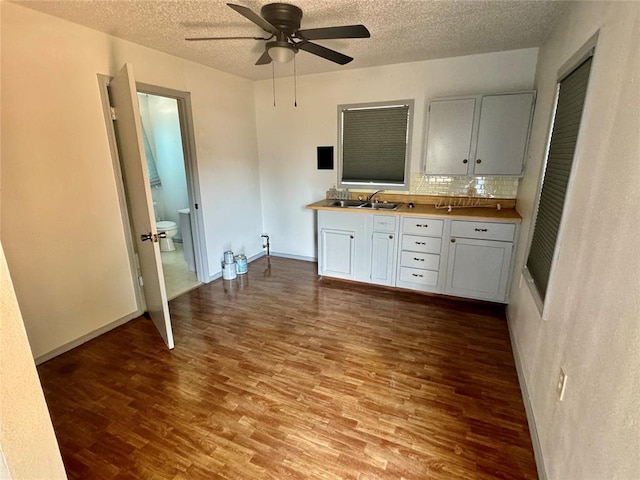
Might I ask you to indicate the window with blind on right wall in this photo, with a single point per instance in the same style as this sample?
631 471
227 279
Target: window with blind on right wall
572 90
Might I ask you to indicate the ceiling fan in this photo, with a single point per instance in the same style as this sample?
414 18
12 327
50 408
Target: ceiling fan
282 22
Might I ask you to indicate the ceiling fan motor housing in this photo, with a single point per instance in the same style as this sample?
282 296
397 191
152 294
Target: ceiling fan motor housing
282 21
283 16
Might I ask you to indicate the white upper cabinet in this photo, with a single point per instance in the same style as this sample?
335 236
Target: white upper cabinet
503 134
449 136
479 135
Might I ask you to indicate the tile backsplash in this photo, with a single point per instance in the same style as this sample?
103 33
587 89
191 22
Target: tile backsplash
490 187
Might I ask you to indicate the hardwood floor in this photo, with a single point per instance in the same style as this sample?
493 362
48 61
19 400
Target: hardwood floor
285 376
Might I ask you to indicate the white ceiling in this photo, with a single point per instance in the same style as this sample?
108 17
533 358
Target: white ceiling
401 30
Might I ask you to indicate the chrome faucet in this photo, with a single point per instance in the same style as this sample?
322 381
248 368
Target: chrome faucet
370 197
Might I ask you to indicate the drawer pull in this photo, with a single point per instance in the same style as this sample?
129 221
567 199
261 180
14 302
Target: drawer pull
417 275
422 225
418 259
390 237
420 243
453 240
480 229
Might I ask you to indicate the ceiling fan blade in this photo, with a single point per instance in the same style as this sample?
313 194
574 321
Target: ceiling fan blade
324 52
265 59
198 39
348 31
254 17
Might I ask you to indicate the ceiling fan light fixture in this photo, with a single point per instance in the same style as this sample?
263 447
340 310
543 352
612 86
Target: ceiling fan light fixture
280 52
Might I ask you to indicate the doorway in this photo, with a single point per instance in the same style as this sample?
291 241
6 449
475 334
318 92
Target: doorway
184 136
163 144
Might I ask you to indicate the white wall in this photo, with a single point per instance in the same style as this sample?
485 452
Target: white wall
288 136
61 224
590 326
27 441
28 447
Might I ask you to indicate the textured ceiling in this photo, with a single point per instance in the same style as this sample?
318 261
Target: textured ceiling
401 30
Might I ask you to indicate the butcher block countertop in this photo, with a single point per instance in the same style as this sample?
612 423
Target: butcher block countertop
491 214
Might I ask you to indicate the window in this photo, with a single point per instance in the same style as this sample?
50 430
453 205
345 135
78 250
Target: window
374 144
566 125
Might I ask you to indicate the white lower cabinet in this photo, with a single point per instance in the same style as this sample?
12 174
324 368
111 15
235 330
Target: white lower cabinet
337 250
421 252
462 258
342 245
480 257
478 269
383 249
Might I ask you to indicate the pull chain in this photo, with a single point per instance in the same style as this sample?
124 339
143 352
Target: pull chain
273 78
295 83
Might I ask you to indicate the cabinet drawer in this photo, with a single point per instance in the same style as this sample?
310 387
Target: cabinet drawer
425 261
483 230
421 277
422 226
384 223
421 244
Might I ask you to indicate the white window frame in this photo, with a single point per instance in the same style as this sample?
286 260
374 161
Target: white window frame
586 51
407 156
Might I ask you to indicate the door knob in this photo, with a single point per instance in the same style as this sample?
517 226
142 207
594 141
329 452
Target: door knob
146 236
162 234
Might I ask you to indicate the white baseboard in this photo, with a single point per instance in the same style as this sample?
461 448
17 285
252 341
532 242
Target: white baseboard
294 257
85 338
533 430
256 256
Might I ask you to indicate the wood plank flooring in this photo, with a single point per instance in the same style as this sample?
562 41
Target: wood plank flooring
281 375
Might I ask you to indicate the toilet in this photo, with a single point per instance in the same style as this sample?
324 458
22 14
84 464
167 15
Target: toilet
171 229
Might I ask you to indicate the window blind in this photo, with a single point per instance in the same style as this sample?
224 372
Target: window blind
374 144
571 96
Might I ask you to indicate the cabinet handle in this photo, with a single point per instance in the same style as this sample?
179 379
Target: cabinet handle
418 259
350 236
422 225
480 229
453 240
417 275
390 237
465 160
420 243
478 161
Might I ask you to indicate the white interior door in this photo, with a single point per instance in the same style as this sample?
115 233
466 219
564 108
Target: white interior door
136 178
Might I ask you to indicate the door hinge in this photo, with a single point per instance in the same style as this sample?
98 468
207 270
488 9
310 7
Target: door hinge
113 113
196 206
140 281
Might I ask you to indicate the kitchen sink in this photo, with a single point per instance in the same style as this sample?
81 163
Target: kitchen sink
381 205
363 204
345 203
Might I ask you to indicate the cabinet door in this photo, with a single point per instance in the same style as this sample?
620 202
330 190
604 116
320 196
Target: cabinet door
449 136
337 253
503 134
478 269
383 253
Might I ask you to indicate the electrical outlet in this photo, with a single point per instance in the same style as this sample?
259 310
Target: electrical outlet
562 384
